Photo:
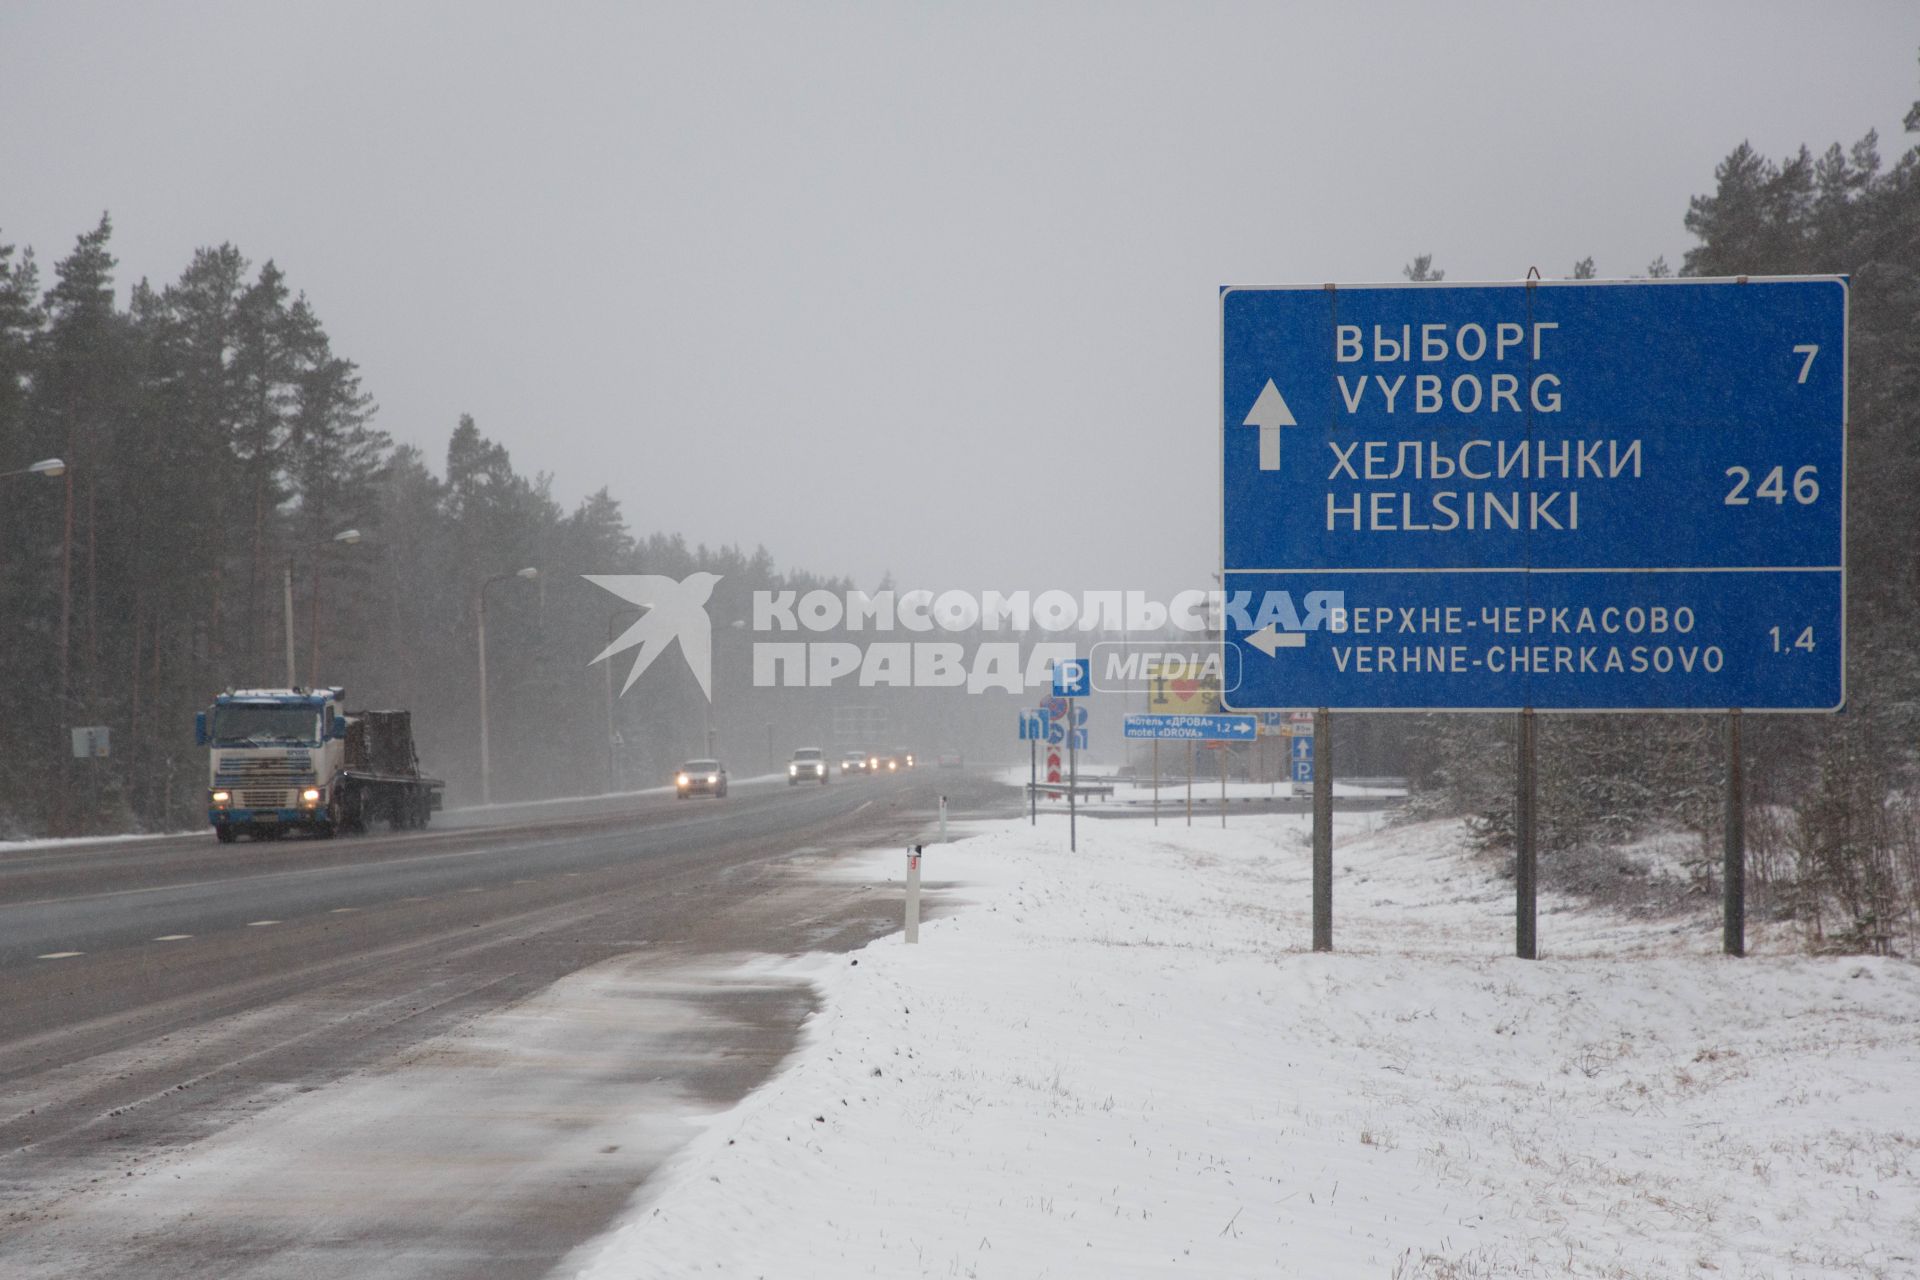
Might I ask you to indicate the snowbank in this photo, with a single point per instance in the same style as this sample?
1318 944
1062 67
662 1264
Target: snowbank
1126 1063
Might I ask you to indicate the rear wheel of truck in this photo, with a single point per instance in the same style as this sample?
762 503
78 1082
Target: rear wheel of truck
225 835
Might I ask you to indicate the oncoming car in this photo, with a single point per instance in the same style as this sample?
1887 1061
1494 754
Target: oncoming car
852 762
809 764
701 777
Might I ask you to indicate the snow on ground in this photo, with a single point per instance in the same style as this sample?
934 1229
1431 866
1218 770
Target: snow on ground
58 842
1126 1062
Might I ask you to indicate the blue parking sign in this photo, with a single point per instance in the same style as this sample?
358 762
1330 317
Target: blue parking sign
1073 678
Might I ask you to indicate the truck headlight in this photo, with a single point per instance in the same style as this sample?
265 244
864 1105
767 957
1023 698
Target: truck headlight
793 768
713 777
222 798
681 780
310 795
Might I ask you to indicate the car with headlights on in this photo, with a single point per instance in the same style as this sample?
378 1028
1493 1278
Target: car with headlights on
701 778
809 764
853 762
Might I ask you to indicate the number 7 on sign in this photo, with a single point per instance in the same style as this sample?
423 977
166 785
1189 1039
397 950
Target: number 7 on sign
1270 413
1807 349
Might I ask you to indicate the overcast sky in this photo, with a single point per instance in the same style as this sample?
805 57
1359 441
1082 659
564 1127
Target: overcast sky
910 286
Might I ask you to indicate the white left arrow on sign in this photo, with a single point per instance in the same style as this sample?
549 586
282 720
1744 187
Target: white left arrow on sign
1270 637
1270 413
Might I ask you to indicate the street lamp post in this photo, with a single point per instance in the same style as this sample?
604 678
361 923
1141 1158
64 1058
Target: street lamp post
480 609
613 620
346 537
53 468
737 624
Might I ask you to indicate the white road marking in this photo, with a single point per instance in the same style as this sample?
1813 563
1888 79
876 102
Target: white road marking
259 924
60 955
341 910
173 937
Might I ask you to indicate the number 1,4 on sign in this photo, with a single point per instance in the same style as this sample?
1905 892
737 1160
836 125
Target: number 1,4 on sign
1803 642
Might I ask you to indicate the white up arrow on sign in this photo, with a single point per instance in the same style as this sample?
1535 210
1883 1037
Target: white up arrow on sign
1270 413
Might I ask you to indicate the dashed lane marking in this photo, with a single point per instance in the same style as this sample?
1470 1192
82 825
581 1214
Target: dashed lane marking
260 924
60 955
173 937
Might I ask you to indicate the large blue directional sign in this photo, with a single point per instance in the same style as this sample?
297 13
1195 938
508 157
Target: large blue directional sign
1192 728
1561 495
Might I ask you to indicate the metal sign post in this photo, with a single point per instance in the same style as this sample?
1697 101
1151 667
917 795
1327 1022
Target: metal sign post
1733 905
1525 862
1033 727
1073 782
1222 748
1189 781
1072 679
1322 830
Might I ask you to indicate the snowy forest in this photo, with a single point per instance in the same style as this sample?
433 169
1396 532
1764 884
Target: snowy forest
1834 818
217 446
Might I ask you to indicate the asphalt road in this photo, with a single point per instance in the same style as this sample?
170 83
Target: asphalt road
184 1025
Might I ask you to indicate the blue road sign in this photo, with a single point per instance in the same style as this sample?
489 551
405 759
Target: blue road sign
1072 678
1302 749
1192 728
1303 770
1033 724
1564 495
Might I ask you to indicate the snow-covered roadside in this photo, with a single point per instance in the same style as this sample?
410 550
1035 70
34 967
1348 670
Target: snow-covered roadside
1126 1063
57 842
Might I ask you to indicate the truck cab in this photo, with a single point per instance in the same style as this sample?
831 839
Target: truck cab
275 755
294 760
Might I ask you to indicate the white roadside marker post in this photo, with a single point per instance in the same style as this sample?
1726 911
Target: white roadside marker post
913 893
1156 782
943 819
1223 786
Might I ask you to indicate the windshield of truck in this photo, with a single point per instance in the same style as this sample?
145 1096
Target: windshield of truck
239 725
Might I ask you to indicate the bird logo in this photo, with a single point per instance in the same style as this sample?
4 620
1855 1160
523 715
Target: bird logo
674 611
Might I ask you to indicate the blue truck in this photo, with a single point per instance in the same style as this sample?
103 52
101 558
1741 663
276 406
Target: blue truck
296 760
